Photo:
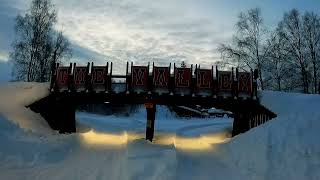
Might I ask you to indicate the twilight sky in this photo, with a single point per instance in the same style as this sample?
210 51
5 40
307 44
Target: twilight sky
147 30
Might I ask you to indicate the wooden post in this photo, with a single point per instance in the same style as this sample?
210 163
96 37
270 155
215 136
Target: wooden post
106 79
217 82
110 78
254 83
236 124
192 83
127 78
66 110
88 84
151 116
149 79
171 81
233 86
237 83
54 67
241 122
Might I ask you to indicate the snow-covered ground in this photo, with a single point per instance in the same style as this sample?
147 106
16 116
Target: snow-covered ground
113 147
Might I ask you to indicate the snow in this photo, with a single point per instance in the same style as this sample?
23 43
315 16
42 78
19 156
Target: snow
14 98
284 148
214 110
113 147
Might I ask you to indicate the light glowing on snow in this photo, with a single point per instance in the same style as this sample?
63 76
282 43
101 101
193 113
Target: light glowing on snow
183 143
198 143
191 143
94 138
215 139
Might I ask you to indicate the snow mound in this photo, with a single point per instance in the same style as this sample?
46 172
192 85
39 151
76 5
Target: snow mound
284 148
14 97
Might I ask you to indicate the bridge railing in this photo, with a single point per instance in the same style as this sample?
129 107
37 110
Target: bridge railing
157 80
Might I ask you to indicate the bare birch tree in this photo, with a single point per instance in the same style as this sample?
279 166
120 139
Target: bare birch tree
311 24
37 46
291 28
247 50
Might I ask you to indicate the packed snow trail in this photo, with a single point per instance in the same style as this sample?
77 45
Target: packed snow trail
114 147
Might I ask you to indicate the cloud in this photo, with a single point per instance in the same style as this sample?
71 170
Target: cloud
140 31
4 56
123 30
146 30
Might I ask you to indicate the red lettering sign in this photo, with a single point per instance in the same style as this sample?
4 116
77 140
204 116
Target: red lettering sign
139 76
98 74
80 74
182 77
62 77
204 78
225 80
245 82
161 77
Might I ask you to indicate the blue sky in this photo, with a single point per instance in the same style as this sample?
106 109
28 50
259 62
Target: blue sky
148 30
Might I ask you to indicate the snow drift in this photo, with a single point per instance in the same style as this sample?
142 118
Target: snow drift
284 148
13 99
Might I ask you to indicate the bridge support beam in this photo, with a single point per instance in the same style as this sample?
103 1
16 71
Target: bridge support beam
250 116
240 123
151 116
58 112
67 118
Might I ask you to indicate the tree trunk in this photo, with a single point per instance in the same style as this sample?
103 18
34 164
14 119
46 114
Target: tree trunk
305 80
260 77
314 72
279 84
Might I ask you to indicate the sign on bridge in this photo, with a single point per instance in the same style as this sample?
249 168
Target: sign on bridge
99 78
80 76
245 83
183 81
225 81
204 82
161 77
62 78
139 78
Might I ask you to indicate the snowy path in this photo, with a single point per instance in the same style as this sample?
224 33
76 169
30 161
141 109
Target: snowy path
70 157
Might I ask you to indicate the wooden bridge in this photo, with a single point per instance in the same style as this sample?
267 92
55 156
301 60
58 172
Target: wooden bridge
151 85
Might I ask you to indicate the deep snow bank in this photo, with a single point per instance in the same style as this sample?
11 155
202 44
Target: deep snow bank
13 99
285 148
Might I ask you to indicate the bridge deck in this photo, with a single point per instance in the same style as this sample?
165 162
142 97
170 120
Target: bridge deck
228 90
